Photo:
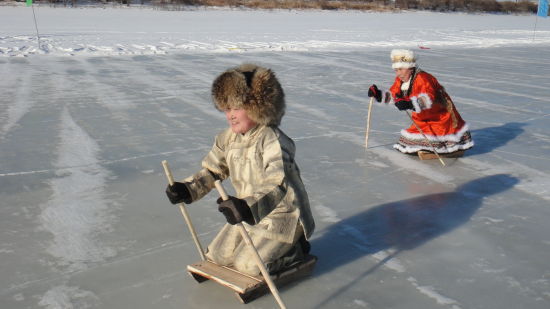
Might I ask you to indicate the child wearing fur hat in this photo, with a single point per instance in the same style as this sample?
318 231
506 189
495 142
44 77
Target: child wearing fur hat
437 124
258 157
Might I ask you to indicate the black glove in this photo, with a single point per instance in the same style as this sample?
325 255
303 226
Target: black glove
404 104
178 193
235 210
375 92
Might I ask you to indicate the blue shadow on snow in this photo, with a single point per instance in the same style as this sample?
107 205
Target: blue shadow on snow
403 225
488 139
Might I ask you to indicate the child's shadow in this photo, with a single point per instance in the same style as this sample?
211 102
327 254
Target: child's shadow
401 225
487 139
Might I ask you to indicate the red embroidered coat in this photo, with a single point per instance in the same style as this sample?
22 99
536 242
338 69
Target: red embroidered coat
434 111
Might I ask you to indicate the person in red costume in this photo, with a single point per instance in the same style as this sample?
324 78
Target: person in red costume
433 112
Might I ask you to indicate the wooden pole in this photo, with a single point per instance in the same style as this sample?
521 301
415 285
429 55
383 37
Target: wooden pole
257 256
184 212
368 123
427 140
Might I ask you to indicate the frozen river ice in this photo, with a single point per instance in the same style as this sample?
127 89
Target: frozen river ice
84 222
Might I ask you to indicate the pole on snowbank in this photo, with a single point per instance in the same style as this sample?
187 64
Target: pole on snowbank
29 3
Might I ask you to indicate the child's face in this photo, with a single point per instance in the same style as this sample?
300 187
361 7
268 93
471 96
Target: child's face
238 120
403 74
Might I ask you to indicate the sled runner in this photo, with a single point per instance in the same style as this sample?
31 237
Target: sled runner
247 288
428 155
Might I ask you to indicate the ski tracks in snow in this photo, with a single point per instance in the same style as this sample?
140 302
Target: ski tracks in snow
78 212
69 298
17 108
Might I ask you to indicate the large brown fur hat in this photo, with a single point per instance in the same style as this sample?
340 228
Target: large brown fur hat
253 88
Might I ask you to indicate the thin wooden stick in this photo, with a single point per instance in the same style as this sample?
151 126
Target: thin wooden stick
257 256
427 140
184 212
368 123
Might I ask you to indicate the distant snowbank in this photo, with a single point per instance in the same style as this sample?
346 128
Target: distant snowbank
96 31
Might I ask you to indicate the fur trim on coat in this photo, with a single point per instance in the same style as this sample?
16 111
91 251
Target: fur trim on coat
254 88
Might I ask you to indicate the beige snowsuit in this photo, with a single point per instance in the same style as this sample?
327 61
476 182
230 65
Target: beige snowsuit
261 166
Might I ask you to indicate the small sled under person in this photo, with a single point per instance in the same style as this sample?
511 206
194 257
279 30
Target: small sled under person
428 155
246 287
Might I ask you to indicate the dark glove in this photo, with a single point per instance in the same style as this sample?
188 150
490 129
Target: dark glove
375 92
404 104
178 193
235 210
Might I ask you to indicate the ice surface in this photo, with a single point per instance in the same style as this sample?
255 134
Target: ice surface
84 222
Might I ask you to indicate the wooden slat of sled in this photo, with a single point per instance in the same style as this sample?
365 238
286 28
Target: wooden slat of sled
226 276
428 155
301 270
248 288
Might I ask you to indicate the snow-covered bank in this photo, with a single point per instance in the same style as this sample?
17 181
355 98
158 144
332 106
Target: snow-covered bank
84 221
130 31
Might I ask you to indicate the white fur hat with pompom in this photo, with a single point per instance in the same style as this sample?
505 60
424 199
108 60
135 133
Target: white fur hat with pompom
403 58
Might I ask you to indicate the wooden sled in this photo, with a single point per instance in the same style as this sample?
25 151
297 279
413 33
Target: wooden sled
428 155
247 288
